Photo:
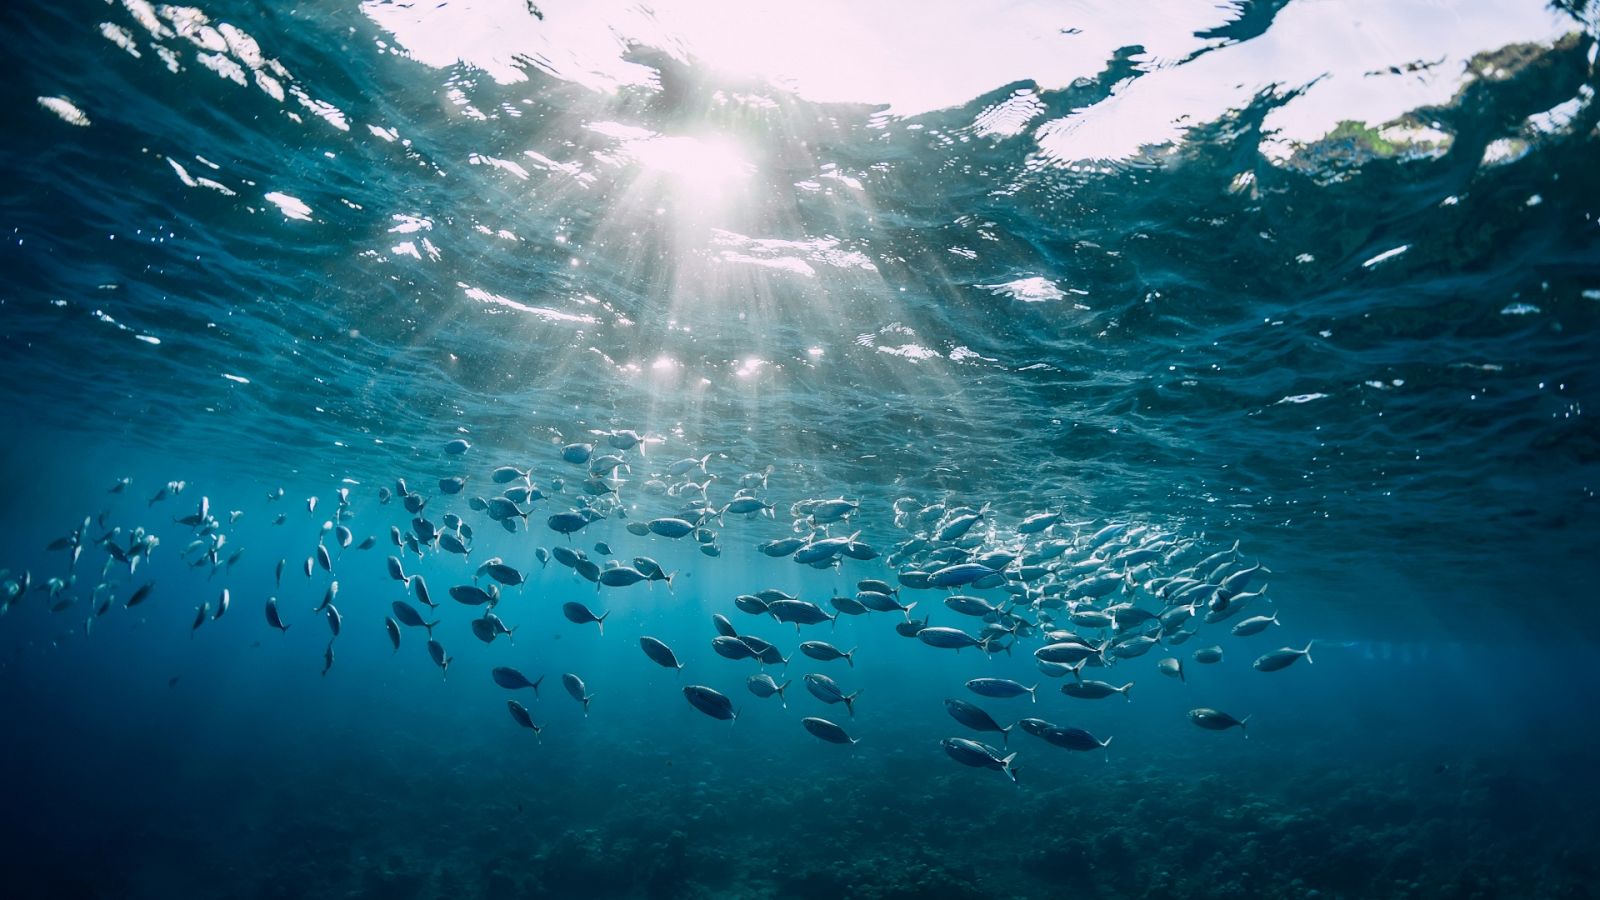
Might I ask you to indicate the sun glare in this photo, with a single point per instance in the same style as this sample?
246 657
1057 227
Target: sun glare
696 165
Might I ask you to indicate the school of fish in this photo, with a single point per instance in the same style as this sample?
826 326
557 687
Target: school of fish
1089 599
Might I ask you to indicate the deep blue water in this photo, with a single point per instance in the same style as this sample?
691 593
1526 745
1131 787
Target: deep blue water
1322 281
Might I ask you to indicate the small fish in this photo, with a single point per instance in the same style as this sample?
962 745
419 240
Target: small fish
827 731
1095 690
763 686
975 718
273 617
1208 655
1212 720
222 605
136 598
1001 688
659 653
980 756
457 447
327 659
513 680
577 690
1255 625
393 628
1282 658
436 652
711 702
407 615
579 614
1171 667
200 616
828 691
521 716
826 652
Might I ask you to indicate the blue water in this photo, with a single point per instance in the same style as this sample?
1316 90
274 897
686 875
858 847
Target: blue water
1322 283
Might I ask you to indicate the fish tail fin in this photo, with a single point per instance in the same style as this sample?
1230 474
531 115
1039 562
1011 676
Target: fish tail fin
1126 691
781 697
586 705
1033 693
1307 651
1007 766
1242 724
850 703
601 622
849 656
538 681
1005 735
906 610
430 626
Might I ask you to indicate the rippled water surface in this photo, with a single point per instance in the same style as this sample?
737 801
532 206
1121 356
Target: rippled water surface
1320 281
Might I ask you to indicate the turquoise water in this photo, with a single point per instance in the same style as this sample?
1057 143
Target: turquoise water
1318 282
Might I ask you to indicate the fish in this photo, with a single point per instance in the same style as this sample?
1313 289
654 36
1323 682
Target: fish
669 527
731 647
763 685
134 599
420 586
975 718
513 680
457 447
222 605
948 638
1171 667
799 612
472 595
335 621
440 659
577 690
827 731
826 652
1282 658
275 619
521 716
1001 688
781 547
1072 738
578 614
1213 720
327 659
723 626
848 606
767 653
711 702
200 616
828 691
504 574
620 576
453 484
1208 655
1255 625
981 756
660 653
1095 690
393 628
